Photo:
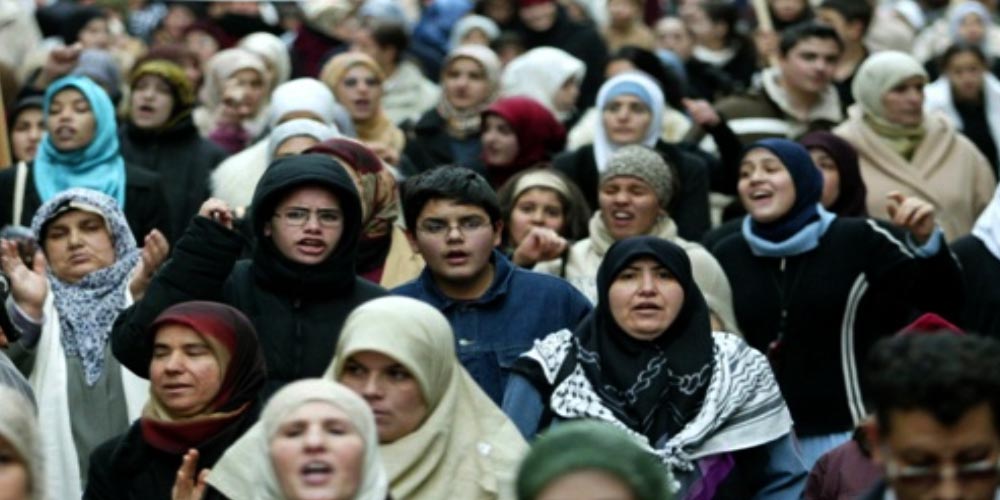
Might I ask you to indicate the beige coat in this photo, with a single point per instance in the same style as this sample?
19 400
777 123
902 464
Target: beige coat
947 170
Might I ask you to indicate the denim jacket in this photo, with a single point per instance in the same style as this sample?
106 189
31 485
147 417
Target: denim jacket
519 307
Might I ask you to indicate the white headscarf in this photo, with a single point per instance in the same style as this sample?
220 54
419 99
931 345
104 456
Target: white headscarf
274 51
987 227
473 22
539 73
879 73
224 65
297 128
632 83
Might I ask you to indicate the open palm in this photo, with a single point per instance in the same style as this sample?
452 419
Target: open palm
28 285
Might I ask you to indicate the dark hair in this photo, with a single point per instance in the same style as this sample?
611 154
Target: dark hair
576 211
449 182
390 34
649 63
851 10
941 373
722 11
961 48
804 31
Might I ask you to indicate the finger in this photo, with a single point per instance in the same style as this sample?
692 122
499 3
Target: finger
896 196
202 484
38 263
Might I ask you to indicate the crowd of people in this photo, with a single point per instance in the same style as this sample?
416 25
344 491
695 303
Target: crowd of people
500 249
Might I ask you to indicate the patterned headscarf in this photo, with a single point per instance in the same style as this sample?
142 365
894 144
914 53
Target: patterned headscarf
88 308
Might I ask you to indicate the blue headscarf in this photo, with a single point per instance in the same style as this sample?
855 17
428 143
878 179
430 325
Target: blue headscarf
799 229
99 165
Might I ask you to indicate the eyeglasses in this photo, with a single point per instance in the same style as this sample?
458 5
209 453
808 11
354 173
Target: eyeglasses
296 217
440 228
351 82
927 477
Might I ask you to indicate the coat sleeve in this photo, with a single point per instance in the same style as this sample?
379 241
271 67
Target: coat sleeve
523 405
100 478
784 473
689 208
198 270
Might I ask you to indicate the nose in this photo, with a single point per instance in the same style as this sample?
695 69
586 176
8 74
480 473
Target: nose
454 233
372 389
174 363
314 439
74 238
312 223
538 217
648 284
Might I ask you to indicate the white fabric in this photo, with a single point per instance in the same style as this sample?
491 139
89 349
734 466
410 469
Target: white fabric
49 380
987 227
20 179
938 97
539 73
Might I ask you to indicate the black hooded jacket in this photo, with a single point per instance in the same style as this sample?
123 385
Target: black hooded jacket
297 309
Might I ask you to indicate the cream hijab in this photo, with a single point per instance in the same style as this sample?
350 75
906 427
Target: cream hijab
466 448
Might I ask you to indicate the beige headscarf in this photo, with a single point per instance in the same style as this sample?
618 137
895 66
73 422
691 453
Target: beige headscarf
463 122
246 471
224 65
378 129
20 429
466 447
877 75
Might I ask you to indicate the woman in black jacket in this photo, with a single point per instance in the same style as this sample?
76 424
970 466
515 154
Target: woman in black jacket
298 286
205 369
160 135
815 291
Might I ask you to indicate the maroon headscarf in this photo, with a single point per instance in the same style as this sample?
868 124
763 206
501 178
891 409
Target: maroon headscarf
244 375
851 200
539 135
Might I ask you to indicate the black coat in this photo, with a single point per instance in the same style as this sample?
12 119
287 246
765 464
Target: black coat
146 206
981 312
183 159
688 208
126 467
428 144
297 310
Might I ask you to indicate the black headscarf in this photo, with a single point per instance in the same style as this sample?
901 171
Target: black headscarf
332 277
654 387
852 198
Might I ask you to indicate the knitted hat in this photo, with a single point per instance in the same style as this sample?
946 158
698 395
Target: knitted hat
646 165
589 445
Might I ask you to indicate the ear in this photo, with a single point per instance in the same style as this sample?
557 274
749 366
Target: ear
497 232
411 238
871 430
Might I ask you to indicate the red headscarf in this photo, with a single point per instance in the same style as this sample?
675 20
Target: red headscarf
539 135
244 374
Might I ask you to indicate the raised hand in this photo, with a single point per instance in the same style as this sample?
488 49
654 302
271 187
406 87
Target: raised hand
702 112
540 244
913 214
190 484
155 250
28 286
217 210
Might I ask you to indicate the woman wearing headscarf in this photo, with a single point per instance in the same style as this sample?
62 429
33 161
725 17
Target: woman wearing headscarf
449 133
517 133
815 290
159 134
646 361
385 256
631 107
296 136
903 149
979 254
206 370
64 303
440 435
297 287
289 435
275 54
356 82
548 75
473 30
21 473
233 99
81 150
963 22
562 457
26 125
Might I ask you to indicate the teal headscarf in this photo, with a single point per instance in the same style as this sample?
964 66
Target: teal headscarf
99 165
588 445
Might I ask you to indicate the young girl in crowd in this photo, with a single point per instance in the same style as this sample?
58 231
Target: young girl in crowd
517 133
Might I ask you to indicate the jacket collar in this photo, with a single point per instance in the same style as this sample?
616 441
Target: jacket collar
503 270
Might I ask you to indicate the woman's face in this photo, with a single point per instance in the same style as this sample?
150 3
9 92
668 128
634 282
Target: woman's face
152 102
295 145
629 206
185 376
95 34
971 29
645 299
904 103
622 12
565 98
71 122
253 84
26 134
965 73
76 244
14 481
765 186
787 10
391 391
465 84
536 207
587 484
626 119
360 91
317 453
831 176
307 225
475 36
499 141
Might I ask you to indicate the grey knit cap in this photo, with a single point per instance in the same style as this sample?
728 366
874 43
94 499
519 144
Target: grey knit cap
646 165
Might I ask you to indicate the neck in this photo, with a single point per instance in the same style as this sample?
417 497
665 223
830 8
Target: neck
469 289
800 100
853 54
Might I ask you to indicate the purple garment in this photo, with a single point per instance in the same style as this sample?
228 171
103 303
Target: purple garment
232 138
714 471
843 473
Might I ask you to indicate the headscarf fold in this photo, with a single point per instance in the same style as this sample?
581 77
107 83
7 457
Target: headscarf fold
878 74
465 444
180 88
464 122
98 165
299 127
273 51
539 73
19 428
633 83
539 135
851 200
233 341
88 308
378 129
